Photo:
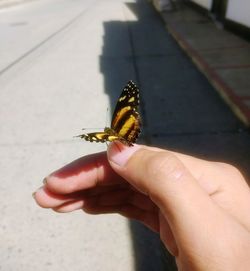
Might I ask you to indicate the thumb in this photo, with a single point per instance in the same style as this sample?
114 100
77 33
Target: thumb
163 177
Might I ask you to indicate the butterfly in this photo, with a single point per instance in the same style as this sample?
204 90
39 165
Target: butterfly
126 120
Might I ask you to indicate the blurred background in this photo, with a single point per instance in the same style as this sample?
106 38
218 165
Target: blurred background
63 63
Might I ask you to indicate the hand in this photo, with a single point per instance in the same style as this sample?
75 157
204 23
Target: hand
199 208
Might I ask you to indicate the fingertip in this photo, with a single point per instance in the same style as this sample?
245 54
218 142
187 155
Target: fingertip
39 196
119 154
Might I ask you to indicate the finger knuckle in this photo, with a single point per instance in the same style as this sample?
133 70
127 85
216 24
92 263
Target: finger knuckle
230 169
165 165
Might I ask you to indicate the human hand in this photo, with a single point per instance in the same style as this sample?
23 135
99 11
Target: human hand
199 208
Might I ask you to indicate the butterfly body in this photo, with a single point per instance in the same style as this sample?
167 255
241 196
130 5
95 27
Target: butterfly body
126 121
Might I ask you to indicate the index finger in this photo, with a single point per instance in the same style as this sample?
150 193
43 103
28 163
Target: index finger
84 173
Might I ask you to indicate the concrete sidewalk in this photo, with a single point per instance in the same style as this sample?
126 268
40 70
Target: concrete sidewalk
221 56
11 3
62 64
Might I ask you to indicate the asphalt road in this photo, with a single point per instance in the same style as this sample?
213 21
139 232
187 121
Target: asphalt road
62 64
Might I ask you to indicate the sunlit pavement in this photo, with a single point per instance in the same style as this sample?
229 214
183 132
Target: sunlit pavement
62 64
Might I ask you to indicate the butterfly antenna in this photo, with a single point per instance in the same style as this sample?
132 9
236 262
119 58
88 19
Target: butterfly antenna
106 121
95 128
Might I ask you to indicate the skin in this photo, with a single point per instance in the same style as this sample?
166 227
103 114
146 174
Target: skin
199 208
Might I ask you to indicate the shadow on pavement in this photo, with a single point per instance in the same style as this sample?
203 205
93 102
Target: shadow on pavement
181 111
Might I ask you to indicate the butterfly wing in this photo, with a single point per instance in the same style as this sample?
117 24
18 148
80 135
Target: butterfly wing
99 137
126 119
126 123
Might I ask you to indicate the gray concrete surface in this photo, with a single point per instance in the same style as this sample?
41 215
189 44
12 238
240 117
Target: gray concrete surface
52 86
11 3
223 57
62 64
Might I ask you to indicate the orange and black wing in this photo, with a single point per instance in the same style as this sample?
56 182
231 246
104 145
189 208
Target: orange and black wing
125 124
126 121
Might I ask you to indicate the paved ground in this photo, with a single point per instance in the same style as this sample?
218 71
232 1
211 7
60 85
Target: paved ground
225 61
62 64
11 3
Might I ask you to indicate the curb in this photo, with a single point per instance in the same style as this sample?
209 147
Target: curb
238 102
227 93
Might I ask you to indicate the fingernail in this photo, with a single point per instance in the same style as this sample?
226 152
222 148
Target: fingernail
34 194
119 154
45 180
